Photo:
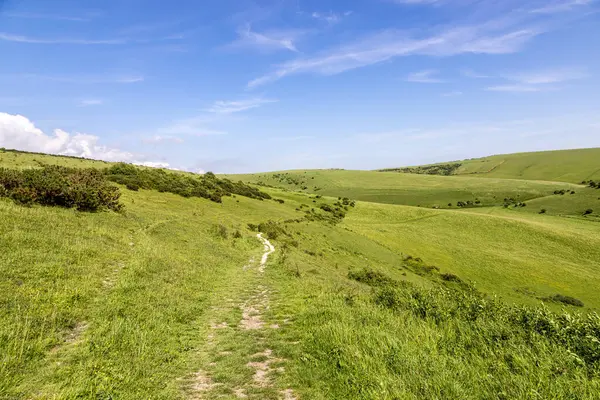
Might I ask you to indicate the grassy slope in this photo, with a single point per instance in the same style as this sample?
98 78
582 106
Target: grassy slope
500 252
408 189
121 305
562 165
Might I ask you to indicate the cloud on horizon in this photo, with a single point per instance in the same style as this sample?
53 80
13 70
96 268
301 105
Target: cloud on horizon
18 132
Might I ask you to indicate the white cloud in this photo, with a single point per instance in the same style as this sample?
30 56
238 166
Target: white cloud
91 102
190 127
469 73
538 81
18 132
426 76
452 94
83 79
8 37
516 88
330 17
54 17
230 107
162 139
390 44
548 76
561 6
266 41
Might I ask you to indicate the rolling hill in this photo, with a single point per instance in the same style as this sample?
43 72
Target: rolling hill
572 166
174 296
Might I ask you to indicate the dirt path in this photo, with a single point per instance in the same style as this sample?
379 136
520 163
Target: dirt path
239 364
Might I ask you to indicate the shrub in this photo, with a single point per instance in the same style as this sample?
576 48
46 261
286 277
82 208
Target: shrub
559 298
220 231
83 189
207 186
543 211
271 229
133 186
450 278
237 234
370 277
588 211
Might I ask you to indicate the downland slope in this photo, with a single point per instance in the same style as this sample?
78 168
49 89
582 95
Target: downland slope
359 300
406 189
573 166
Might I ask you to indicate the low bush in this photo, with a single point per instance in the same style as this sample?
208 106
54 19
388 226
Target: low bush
83 189
370 277
559 298
207 186
220 231
132 186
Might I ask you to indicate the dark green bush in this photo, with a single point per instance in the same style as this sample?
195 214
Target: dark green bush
207 186
450 278
370 277
84 189
559 298
588 211
132 186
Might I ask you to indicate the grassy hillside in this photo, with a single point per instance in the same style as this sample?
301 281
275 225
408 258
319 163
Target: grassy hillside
562 165
406 189
572 166
168 299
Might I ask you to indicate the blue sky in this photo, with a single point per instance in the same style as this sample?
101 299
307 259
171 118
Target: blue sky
255 85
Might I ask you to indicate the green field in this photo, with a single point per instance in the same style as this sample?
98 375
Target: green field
168 299
572 166
406 189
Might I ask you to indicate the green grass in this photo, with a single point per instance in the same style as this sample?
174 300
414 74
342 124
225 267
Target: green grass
568 204
407 189
572 166
108 305
502 252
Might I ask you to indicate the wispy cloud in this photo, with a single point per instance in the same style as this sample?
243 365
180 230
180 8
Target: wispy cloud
162 139
538 81
91 102
469 73
390 44
425 76
266 41
452 94
519 88
52 17
549 76
330 17
230 107
83 79
8 37
189 127
561 6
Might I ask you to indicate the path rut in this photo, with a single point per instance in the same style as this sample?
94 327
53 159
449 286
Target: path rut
264 364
